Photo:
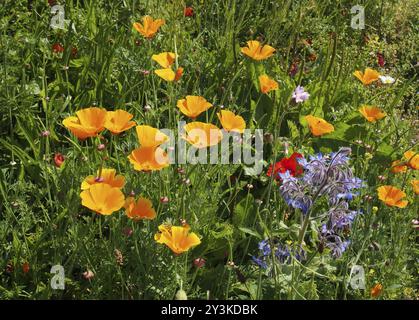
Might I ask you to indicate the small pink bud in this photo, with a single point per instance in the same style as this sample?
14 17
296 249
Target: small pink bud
101 147
132 193
99 179
199 262
127 231
164 199
88 275
181 171
45 133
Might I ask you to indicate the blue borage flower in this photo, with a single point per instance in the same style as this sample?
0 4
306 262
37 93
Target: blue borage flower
283 253
331 177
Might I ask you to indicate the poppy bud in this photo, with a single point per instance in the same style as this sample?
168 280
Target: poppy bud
74 51
127 231
380 59
58 160
57 48
188 12
164 199
199 262
25 267
88 275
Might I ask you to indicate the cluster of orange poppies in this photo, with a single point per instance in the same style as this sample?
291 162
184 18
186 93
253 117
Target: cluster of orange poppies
102 193
390 195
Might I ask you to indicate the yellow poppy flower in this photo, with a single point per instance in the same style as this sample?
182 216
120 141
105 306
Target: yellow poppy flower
267 84
371 113
368 77
149 27
256 51
118 121
107 176
193 106
392 196
165 59
102 198
87 123
169 75
318 126
149 159
140 209
178 239
150 137
231 122
415 185
202 135
396 168
412 159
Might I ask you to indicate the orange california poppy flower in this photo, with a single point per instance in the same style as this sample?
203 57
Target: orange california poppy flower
202 135
149 27
165 59
107 176
256 51
231 122
319 126
178 239
169 75
371 113
102 198
267 84
140 209
178 73
87 123
368 77
415 185
396 167
392 196
376 290
150 137
149 159
193 106
412 159
118 121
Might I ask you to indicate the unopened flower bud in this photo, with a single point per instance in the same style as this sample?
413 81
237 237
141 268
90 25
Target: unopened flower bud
199 262
181 295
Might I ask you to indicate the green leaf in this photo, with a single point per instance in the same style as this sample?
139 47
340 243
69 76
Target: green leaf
251 232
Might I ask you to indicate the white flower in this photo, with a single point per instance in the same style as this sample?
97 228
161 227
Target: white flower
387 79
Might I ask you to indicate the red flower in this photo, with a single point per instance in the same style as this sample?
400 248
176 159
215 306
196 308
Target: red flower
59 160
380 59
25 267
57 48
188 12
286 164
